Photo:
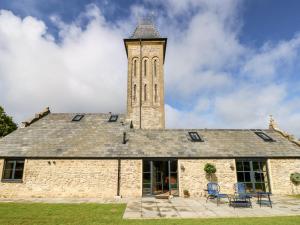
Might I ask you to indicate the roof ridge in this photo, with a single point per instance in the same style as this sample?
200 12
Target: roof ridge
37 116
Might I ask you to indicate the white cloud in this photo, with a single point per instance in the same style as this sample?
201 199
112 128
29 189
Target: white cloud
270 59
86 72
248 106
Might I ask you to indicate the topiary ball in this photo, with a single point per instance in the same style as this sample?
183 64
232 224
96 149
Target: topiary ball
210 168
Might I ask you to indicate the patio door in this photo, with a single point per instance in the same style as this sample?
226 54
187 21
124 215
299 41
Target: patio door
160 177
254 174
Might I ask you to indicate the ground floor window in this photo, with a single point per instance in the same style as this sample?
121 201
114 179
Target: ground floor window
13 169
160 177
254 174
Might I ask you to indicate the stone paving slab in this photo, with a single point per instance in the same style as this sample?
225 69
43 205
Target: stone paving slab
198 208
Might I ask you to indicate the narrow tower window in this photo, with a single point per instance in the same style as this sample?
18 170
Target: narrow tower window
145 68
155 68
134 68
155 92
134 92
145 92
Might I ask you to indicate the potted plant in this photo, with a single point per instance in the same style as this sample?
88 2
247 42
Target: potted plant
186 193
210 170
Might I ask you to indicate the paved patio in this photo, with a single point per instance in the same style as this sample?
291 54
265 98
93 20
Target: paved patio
198 208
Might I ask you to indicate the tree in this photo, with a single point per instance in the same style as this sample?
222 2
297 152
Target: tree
7 125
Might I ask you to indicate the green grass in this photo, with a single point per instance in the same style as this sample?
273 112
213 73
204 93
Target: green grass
108 214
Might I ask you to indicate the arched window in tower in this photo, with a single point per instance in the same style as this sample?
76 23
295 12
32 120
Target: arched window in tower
145 68
155 68
145 92
134 67
155 93
134 92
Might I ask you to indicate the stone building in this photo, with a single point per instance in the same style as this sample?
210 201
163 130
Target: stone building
105 155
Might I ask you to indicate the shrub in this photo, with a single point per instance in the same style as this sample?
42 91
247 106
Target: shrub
210 169
295 178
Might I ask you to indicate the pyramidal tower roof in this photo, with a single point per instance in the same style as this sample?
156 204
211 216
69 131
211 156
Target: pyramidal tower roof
145 30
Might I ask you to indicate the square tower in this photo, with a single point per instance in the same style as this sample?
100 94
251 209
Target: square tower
145 86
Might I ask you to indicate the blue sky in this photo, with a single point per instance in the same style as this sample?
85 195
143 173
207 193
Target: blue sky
238 60
265 20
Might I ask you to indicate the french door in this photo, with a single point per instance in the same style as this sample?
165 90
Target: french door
159 177
254 174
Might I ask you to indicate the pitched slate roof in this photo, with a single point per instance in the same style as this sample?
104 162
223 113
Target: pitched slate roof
55 135
145 30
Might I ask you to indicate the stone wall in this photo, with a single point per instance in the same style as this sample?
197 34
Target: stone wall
131 178
279 172
74 178
193 178
98 178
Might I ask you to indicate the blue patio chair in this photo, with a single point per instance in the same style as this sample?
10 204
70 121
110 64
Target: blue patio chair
213 192
240 190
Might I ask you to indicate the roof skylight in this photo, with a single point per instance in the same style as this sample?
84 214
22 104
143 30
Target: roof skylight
113 118
78 117
264 136
195 136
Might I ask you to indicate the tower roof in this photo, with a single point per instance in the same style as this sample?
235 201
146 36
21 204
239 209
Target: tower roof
145 30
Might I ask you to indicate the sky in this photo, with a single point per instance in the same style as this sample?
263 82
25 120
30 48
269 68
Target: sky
229 63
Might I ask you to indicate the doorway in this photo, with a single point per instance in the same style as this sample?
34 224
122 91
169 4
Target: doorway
160 177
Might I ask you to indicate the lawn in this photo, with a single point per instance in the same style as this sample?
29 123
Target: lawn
108 214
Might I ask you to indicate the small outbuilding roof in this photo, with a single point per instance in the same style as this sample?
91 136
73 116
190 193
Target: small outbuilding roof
93 136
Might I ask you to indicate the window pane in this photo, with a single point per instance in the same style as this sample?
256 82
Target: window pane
173 166
18 174
258 177
249 187
19 165
255 166
173 179
174 186
239 166
240 177
146 178
263 166
146 166
9 165
247 177
147 186
259 187
246 166
7 174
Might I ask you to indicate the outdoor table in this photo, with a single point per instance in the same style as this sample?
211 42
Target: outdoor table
264 197
239 200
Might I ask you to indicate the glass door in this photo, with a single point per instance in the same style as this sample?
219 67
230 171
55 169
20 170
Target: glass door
147 177
254 174
159 177
173 178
